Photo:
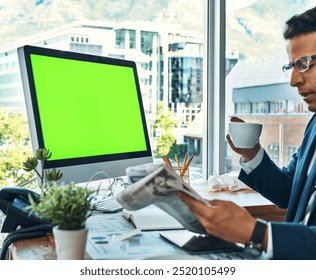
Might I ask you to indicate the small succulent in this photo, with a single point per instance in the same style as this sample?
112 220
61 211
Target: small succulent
53 175
30 164
42 154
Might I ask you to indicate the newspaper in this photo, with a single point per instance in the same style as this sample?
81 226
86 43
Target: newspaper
160 188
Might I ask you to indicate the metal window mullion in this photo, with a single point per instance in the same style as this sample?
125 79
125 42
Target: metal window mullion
215 113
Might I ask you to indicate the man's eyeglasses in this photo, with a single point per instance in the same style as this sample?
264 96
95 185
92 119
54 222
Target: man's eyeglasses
301 64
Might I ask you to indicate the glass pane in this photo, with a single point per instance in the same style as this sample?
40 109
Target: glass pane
164 38
256 88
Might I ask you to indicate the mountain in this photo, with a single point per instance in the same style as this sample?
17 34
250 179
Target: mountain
21 18
258 29
255 29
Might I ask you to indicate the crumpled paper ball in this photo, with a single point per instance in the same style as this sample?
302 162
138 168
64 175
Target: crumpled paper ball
226 182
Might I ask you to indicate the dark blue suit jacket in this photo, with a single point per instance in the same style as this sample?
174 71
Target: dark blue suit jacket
290 188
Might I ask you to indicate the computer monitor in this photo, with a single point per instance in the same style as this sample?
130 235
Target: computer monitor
86 109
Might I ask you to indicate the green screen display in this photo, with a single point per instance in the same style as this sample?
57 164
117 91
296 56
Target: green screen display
87 108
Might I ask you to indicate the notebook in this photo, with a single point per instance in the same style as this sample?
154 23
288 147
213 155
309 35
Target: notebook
151 218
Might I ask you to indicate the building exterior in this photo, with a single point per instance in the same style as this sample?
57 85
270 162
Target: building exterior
193 136
169 63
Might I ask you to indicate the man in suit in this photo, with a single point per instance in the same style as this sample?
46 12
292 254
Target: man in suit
292 187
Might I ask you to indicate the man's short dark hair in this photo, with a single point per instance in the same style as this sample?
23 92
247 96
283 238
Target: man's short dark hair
300 24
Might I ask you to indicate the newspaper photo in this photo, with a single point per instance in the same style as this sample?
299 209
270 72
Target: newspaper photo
160 188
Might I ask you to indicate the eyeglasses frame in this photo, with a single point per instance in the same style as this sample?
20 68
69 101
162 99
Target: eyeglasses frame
290 66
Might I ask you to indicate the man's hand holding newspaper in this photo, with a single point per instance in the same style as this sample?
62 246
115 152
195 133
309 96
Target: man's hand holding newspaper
160 188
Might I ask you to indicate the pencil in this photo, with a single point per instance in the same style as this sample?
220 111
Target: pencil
167 161
185 168
185 159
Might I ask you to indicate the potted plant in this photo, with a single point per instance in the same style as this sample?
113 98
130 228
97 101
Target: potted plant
67 207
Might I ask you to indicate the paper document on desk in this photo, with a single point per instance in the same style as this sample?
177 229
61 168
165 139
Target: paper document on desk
160 188
151 218
143 245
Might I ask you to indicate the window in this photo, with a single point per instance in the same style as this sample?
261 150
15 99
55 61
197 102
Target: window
274 152
242 108
168 48
259 108
120 38
278 107
255 87
226 65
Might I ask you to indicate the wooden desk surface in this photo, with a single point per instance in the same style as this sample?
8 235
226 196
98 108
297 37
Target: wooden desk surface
255 203
44 248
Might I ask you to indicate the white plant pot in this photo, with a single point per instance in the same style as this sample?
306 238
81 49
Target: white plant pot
70 244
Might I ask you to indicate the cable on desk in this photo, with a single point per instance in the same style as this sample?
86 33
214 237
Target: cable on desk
111 184
27 182
107 203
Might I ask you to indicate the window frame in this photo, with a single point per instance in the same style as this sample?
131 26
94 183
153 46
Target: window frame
215 119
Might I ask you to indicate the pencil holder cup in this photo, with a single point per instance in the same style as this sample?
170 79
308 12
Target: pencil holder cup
184 174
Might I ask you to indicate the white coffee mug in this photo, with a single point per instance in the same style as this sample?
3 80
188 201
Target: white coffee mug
245 135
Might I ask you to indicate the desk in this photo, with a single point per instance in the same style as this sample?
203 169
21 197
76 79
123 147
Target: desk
256 204
259 207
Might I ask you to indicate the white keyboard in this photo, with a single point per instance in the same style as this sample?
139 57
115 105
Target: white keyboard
108 204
